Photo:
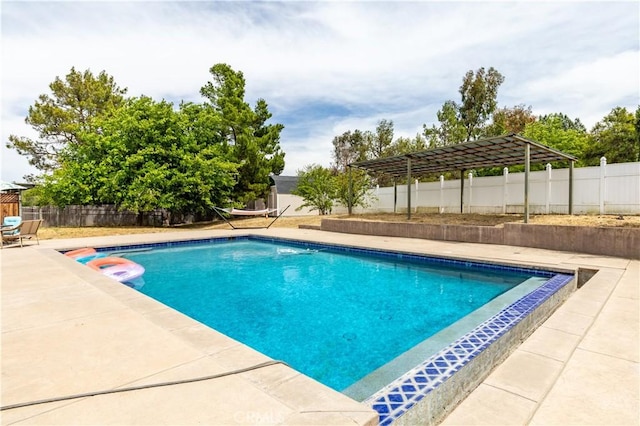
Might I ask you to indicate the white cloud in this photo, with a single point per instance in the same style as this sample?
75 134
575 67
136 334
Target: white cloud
587 89
327 67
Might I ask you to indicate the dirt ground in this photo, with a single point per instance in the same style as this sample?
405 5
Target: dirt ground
296 221
498 220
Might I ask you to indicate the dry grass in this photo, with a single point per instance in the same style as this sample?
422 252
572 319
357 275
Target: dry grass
49 233
498 220
296 221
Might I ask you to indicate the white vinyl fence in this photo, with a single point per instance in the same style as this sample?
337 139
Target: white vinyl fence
605 189
294 202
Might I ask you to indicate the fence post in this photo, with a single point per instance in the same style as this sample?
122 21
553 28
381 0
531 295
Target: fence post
395 196
461 191
416 208
409 188
548 194
505 192
603 174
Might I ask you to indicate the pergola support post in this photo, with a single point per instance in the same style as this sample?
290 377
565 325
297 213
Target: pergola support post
527 167
408 188
462 190
350 191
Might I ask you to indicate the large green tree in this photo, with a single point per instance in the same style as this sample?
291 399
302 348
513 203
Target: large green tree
62 117
403 145
450 131
380 141
147 156
510 120
249 140
479 92
467 120
559 132
565 122
352 189
317 187
616 137
349 147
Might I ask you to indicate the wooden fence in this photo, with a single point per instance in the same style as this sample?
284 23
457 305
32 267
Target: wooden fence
105 215
9 205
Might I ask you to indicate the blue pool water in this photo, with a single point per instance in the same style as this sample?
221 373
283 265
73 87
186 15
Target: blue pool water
334 316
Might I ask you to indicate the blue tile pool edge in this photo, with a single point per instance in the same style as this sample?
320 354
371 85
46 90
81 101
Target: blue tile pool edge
399 255
397 398
164 244
409 256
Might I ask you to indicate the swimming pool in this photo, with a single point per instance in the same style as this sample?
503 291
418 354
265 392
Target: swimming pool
332 315
424 372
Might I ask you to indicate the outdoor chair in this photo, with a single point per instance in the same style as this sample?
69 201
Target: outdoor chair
30 230
11 234
25 230
8 222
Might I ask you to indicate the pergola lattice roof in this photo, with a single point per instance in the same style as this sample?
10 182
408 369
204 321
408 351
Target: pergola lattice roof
502 151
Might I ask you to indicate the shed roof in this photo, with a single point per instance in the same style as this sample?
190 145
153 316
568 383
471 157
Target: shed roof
285 184
502 151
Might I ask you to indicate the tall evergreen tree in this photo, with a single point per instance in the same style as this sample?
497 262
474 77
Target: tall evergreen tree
63 116
249 140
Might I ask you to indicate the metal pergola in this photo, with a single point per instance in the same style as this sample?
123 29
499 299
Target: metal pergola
502 151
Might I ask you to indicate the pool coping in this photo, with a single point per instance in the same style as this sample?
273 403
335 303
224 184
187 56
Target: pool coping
280 394
614 283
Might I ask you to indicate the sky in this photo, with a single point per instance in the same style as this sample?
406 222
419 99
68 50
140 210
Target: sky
325 68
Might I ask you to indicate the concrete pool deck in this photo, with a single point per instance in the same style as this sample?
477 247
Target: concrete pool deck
68 330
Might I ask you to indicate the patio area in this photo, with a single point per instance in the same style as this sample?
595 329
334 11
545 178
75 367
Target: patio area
69 330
